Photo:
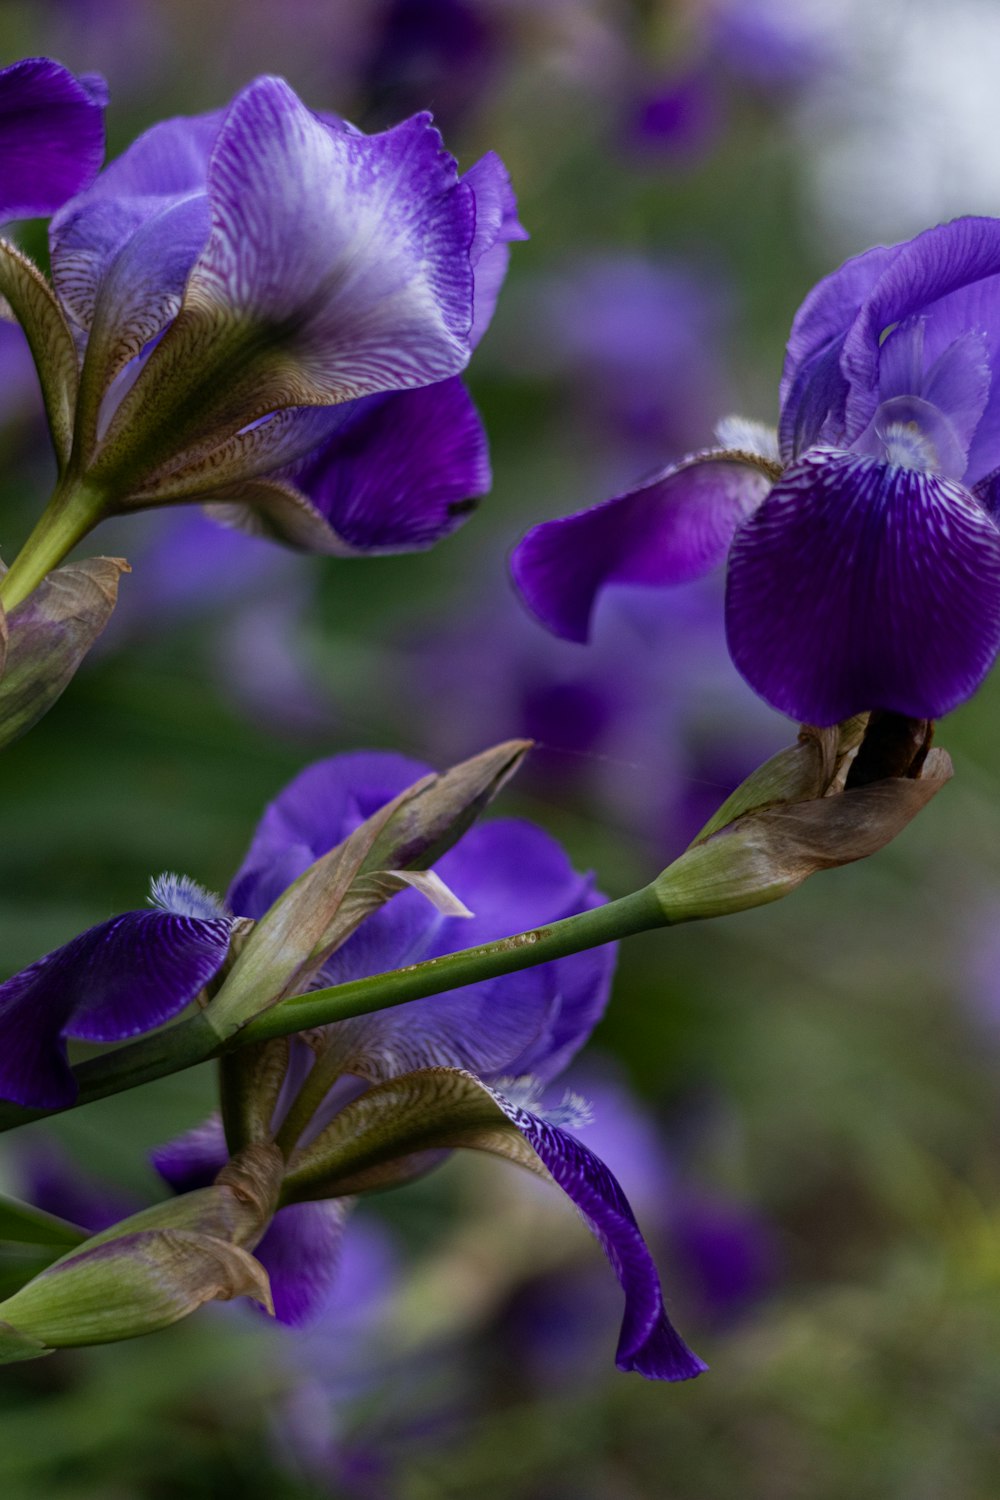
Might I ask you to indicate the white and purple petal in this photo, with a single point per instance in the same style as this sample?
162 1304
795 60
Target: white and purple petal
51 136
122 977
864 585
351 251
670 530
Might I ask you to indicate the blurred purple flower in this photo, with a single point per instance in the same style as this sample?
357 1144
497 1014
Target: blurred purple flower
441 54
276 309
50 1179
649 737
864 559
638 338
508 1036
51 136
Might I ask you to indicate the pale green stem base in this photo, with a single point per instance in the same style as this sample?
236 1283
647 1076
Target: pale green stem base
70 514
195 1041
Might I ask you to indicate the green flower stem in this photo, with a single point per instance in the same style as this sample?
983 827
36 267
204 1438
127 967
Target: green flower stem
71 513
196 1041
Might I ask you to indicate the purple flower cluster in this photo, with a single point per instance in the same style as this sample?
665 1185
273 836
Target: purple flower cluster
863 548
512 1034
273 309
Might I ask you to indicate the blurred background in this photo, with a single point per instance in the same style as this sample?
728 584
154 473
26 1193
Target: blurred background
799 1101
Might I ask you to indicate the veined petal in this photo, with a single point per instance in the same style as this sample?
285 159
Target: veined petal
862 585
121 977
441 1108
404 471
670 530
51 136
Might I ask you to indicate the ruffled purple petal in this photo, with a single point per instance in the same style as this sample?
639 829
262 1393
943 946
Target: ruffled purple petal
648 1344
862 585
51 136
300 1253
403 471
935 264
121 977
497 225
671 530
353 248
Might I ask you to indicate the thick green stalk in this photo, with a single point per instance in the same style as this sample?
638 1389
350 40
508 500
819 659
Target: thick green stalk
71 513
195 1041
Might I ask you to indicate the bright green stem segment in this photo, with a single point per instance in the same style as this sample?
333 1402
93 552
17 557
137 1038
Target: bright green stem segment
72 512
195 1041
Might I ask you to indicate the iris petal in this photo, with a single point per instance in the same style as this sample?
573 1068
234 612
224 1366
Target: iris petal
670 530
119 978
862 585
51 136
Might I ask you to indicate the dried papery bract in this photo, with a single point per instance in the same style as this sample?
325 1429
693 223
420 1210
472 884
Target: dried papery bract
797 815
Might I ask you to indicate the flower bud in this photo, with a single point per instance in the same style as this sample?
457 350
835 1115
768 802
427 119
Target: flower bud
802 812
154 1268
45 638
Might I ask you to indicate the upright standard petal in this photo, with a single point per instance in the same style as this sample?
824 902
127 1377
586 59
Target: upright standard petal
497 225
926 269
350 251
121 977
813 388
51 136
863 585
670 530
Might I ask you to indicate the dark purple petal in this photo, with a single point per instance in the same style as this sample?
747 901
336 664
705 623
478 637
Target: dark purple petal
300 1253
355 248
813 387
51 136
675 528
648 1343
497 225
194 1159
403 471
862 585
938 262
122 977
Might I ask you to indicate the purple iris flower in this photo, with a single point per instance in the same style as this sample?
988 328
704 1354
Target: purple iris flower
51 136
513 1034
864 554
276 308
